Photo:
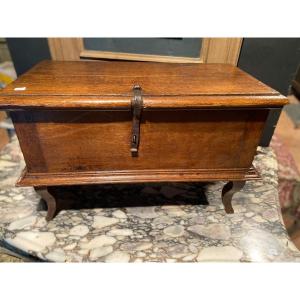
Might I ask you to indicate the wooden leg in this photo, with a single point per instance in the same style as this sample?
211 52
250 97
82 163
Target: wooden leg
227 193
49 199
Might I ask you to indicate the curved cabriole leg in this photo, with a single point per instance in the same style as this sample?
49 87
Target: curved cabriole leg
49 199
227 193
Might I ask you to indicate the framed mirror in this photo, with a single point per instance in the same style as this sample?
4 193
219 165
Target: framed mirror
171 50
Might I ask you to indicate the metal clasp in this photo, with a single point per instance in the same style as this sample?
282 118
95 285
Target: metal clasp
136 107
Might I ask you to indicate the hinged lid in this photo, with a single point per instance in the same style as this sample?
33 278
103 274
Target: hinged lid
108 85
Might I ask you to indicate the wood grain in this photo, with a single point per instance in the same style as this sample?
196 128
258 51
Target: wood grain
65 48
109 85
150 103
70 141
199 122
222 50
138 57
118 78
136 176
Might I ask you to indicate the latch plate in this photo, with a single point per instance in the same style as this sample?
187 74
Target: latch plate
136 107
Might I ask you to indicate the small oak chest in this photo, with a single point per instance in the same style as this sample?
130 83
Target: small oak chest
128 122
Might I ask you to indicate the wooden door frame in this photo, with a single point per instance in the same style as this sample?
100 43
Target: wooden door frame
213 50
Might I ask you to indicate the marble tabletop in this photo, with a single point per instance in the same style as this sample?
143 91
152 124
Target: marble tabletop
145 222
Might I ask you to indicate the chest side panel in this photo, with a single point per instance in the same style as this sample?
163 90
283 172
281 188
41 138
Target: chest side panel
73 141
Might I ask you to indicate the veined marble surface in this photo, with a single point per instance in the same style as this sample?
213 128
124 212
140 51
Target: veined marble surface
146 222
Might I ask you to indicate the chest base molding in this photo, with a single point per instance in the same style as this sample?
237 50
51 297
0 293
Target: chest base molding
135 176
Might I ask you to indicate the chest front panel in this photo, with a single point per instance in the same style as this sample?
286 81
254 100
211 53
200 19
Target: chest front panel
75 141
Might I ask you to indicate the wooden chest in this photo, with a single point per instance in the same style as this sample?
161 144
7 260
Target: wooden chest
127 122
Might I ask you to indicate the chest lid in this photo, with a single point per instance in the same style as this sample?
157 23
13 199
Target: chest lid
109 85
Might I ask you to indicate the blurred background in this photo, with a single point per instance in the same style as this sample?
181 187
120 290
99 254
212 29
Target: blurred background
274 61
